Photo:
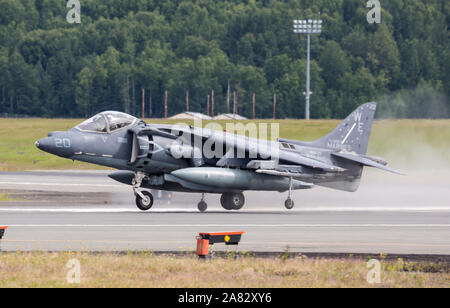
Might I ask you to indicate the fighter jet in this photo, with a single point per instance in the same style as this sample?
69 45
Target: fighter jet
194 159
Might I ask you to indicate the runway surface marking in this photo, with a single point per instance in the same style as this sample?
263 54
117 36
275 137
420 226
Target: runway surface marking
219 210
61 184
292 244
233 225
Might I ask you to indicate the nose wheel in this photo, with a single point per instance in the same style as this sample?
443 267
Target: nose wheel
144 200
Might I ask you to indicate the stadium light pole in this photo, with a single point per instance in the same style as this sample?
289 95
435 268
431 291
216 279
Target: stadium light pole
308 27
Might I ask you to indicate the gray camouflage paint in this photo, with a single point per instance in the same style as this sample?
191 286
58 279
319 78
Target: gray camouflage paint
334 161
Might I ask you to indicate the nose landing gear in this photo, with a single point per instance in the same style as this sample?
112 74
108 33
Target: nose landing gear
146 202
144 199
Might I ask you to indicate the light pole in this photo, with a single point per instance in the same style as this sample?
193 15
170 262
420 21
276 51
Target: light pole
308 27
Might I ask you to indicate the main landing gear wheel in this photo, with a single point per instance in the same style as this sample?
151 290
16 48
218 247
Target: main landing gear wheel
146 203
289 204
224 203
232 201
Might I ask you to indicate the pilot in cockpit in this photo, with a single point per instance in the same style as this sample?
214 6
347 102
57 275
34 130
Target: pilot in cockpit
107 122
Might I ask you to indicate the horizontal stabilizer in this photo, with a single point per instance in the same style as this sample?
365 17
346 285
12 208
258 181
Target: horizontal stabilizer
364 160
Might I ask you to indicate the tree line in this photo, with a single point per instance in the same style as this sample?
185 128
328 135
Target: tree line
51 68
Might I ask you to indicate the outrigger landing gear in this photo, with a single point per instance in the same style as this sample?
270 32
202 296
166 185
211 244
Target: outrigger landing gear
289 203
232 201
202 205
144 199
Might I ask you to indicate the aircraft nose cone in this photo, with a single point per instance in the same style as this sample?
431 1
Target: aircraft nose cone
60 143
45 144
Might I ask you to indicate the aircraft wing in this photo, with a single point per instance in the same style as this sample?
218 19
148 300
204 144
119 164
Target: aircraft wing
298 159
239 144
261 148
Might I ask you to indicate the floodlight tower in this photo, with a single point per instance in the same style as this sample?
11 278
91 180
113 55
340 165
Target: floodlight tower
308 27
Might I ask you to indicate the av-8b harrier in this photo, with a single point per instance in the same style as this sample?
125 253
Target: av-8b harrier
194 159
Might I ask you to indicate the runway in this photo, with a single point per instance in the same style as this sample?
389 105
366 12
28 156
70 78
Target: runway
55 211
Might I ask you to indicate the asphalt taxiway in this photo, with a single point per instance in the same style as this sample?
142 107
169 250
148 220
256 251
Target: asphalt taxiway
54 211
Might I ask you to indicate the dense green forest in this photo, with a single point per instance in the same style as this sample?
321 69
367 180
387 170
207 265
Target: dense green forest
51 68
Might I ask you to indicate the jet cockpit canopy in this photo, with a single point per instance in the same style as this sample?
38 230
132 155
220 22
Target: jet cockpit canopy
107 122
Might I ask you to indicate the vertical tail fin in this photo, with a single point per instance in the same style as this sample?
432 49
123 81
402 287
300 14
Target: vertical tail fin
353 133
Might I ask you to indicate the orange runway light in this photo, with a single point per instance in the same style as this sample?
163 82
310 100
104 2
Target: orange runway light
2 230
205 239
